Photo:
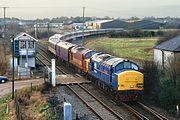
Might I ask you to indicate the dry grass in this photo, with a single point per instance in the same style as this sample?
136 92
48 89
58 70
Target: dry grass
12 112
34 105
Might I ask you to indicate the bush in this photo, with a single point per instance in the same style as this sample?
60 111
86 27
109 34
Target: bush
169 96
23 96
151 80
135 33
170 88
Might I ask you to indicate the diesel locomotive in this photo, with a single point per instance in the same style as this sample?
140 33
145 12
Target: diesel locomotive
121 77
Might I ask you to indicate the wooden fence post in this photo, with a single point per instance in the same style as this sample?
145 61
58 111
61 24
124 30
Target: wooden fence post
31 87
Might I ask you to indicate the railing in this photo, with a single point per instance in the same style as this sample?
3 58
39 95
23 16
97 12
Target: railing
19 114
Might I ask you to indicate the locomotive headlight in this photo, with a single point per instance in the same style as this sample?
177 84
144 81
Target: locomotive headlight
140 85
131 86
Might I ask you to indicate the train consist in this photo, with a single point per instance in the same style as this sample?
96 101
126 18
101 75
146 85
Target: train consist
119 76
68 36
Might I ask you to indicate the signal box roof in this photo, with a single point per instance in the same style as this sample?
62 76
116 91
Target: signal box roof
24 36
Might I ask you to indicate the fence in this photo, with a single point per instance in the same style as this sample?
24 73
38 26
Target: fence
18 107
19 113
34 74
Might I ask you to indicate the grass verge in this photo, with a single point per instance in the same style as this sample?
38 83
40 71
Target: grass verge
137 49
3 106
34 105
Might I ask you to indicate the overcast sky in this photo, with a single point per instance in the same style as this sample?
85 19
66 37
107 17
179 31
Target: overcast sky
32 9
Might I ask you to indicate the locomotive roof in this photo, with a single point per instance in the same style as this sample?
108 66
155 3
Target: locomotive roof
65 45
113 61
87 51
99 57
107 59
80 49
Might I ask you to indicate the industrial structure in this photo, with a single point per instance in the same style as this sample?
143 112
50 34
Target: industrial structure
105 24
24 50
141 24
167 51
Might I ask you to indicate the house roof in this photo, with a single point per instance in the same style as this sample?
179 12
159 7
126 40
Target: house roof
22 34
170 45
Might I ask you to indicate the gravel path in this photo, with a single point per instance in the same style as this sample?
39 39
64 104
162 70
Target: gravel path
78 107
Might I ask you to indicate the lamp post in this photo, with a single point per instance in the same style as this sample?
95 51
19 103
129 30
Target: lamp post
12 40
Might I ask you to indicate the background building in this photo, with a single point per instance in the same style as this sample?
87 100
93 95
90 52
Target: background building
104 24
25 50
166 51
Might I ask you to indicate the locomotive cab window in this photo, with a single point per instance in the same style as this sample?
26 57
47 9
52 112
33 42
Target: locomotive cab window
119 67
134 66
127 65
88 55
92 66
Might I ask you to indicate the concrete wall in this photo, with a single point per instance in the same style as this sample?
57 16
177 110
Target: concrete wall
168 56
162 57
177 56
177 61
158 56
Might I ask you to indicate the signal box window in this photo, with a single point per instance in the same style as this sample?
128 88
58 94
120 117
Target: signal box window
31 44
22 44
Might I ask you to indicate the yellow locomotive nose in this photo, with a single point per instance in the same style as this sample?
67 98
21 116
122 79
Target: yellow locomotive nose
130 80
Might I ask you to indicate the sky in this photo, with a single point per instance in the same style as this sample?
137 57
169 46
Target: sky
32 9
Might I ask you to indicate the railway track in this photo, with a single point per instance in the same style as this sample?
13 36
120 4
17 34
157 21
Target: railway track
102 111
42 56
139 110
143 112
154 112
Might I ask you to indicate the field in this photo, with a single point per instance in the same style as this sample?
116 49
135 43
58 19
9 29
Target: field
137 49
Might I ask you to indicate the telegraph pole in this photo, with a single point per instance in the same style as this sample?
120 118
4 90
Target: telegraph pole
13 67
48 28
83 23
4 8
5 18
4 32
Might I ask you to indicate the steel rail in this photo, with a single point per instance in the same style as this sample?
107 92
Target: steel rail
108 108
85 102
156 114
